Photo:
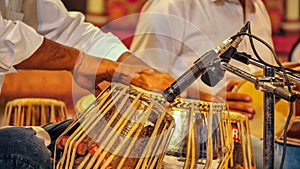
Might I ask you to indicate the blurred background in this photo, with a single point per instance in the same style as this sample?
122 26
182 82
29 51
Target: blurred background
284 14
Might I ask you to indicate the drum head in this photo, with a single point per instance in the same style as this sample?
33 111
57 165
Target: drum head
281 110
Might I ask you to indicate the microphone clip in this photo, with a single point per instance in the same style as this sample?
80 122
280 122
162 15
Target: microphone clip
228 54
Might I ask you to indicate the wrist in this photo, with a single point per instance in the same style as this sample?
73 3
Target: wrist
78 62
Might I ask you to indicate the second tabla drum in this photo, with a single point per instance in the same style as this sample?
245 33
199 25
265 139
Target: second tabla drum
34 112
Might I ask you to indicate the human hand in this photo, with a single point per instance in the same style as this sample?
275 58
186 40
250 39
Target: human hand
90 71
238 102
153 80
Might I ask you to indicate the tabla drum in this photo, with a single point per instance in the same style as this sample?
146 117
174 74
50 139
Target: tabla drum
292 135
295 66
292 146
33 112
122 128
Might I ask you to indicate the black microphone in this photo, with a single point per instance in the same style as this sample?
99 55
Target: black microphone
188 77
209 63
208 60
216 73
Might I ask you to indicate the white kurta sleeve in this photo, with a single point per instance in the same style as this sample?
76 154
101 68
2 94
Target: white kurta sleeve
69 28
18 41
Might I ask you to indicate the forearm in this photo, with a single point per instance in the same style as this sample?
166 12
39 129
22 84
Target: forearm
51 56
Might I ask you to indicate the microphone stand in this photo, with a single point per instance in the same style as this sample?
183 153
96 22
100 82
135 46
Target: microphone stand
246 59
269 137
271 86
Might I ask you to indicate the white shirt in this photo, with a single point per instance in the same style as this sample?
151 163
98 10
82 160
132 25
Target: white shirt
24 24
172 34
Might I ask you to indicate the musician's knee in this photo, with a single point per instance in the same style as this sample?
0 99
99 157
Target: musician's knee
20 147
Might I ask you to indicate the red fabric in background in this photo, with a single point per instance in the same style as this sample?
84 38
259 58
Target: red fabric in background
284 44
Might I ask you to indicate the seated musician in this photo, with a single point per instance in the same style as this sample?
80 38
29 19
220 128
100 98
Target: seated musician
172 34
44 35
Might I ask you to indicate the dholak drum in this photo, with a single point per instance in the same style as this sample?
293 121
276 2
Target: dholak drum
123 128
33 112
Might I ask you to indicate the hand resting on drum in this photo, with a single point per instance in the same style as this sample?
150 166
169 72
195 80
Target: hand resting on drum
90 71
150 79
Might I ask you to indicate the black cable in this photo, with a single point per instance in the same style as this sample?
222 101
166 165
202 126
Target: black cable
273 53
256 53
284 74
291 104
285 135
252 44
271 49
288 70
